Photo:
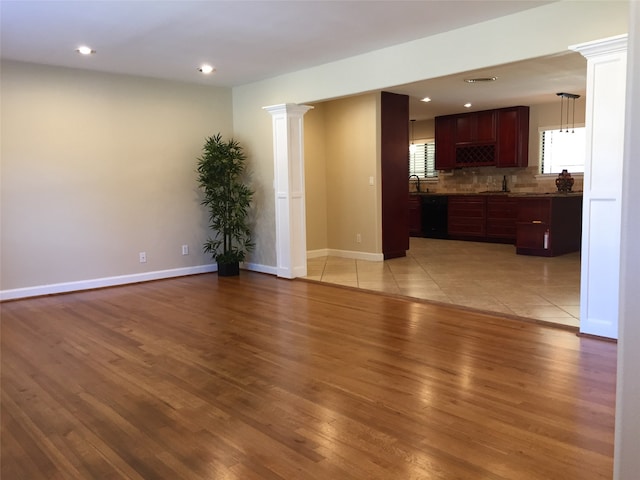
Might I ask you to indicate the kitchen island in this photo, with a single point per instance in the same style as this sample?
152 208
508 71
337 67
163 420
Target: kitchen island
549 225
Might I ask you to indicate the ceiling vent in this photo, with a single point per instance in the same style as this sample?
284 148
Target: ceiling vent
480 80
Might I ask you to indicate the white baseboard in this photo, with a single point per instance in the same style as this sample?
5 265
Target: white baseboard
598 327
255 267
67 287
323 252
326 252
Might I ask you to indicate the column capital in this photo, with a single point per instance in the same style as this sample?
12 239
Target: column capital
288 108
601 47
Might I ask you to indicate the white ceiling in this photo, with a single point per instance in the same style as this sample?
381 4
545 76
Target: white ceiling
530 82
249 41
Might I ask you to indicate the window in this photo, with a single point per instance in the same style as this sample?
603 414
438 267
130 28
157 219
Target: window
561 150
422 160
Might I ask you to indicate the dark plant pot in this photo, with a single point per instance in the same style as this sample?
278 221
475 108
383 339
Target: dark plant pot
228 269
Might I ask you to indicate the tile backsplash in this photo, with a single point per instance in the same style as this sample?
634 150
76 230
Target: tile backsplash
481 179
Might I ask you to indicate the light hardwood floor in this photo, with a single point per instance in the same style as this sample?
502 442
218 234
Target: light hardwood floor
484 276
258 378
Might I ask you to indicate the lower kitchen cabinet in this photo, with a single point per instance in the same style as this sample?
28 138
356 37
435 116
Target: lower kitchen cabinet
428 216
489 218
467 216
502 211
415 216
544 224
549 226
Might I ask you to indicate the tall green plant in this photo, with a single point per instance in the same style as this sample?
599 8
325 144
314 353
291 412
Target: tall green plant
227 199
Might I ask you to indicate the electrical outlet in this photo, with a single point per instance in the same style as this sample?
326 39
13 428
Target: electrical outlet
185 249
358 238
143 257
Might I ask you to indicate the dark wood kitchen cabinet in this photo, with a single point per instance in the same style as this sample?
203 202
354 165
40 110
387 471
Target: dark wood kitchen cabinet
549 226
497 137
488 218
502 211
476 127
415 215
467 216
513 137
445 153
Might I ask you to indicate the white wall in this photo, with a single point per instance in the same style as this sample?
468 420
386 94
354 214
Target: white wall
340 157
315 171
97 168
352 204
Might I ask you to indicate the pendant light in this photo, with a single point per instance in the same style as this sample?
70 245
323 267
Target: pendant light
412 147
571 97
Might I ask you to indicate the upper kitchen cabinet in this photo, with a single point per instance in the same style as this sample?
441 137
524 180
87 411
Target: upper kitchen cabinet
513 137
476 127
445 131
487 138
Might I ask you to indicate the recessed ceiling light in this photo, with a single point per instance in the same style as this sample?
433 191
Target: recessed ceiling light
84 50
480 79
467 105
206 69
426 99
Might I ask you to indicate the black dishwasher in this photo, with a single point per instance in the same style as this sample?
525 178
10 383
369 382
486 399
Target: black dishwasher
434 216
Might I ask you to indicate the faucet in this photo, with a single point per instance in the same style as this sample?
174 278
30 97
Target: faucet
417 182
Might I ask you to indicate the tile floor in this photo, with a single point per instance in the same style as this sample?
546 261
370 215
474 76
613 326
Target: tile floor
485 276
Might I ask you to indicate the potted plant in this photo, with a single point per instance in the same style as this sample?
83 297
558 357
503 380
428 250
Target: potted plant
227 199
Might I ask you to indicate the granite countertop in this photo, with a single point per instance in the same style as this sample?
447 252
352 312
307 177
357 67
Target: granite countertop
549 194
500 193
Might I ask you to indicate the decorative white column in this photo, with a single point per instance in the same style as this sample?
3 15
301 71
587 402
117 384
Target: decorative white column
288 155
602 212
626 460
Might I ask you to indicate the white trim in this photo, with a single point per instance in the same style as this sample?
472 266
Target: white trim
67 287
323 252
288 181
611 45
102 282
255 267
330 252
603 185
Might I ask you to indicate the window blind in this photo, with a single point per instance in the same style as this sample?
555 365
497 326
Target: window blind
422 161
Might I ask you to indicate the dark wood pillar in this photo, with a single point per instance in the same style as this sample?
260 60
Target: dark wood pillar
394 146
